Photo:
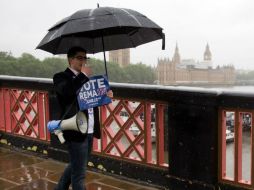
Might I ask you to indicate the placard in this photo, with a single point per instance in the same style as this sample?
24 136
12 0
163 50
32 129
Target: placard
94 93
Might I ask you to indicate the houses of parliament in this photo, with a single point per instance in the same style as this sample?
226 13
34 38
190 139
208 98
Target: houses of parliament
191 72
179 71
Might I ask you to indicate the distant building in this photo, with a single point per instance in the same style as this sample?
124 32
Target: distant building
122 57
189 71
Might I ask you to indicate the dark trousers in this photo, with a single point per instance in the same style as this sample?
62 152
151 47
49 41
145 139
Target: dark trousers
74 173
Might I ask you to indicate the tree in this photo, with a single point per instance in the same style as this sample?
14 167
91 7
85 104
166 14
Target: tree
245 76
140 73
28 65
7 63
52 65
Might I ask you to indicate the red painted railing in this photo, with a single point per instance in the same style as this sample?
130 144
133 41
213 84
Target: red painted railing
131 130
236 147
24 112
135 127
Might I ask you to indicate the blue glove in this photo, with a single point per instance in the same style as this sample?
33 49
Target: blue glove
53 125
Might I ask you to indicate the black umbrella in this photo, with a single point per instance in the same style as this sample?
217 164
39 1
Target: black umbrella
101 29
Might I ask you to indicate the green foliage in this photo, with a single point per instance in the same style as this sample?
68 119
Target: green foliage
7 63
28 65
50 66
245 76
24 65
140 73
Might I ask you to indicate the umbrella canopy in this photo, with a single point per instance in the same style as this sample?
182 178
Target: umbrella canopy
101 29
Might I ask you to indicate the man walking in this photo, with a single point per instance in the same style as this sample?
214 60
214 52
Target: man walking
66 85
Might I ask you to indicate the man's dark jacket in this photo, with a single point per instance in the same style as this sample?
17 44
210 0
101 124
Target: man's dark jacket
66 85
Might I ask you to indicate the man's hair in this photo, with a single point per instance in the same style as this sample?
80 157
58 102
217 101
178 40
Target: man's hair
74 50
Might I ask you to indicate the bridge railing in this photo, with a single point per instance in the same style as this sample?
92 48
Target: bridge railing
174 137
133 130
24 110
236 139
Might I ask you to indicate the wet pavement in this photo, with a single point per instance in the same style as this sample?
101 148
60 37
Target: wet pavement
21 170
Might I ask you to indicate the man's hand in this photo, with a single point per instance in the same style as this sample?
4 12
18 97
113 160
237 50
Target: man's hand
110 94
86 70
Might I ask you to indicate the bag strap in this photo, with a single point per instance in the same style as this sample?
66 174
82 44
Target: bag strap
67 111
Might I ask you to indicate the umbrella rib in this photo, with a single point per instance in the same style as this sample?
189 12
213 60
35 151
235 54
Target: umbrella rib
91 12
132 16
116 19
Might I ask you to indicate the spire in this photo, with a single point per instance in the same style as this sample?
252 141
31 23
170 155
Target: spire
207 54
176 49
176 58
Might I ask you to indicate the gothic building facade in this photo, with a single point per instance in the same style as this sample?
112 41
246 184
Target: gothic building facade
189 71
121 56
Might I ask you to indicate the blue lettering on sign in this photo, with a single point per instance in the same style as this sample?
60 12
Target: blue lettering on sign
94 93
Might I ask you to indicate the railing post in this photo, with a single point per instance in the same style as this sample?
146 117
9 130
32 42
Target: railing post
193 153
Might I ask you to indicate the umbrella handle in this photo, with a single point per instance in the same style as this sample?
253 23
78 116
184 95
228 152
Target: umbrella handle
163 41
105 63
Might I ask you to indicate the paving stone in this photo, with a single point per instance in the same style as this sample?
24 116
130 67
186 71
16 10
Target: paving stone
36 185
20 171
6 184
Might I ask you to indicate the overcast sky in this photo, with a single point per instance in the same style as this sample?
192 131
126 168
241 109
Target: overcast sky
227 25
